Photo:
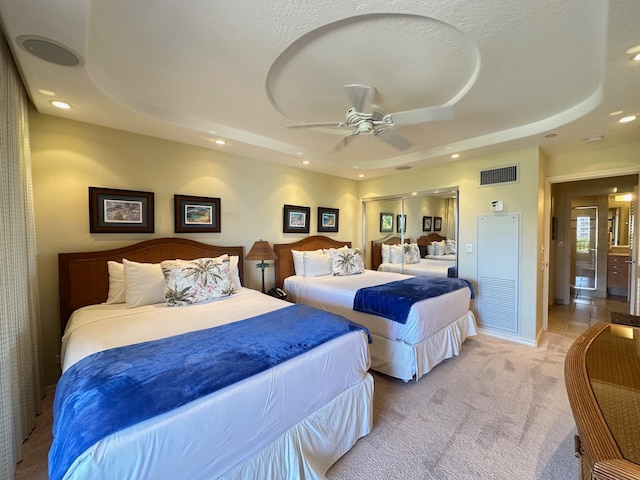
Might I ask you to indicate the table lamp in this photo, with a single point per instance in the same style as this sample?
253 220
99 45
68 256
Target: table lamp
262 251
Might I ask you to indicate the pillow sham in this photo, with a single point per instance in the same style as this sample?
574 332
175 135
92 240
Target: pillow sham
143 283
439 248
193 281
411 253
346 261
317 264
431 249
235 274
385 253
298 260
116 282
450 247
395 254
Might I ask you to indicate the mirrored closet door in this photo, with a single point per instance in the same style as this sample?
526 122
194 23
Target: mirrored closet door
412 233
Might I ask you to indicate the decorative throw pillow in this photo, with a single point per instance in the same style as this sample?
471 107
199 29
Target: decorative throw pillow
450 247
316 264
395 254
143 283
346 261
439 248
411 253
193 281
116 282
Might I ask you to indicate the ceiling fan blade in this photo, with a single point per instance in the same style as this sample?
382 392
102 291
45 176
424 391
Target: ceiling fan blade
344 141
360 97
318 124
393 139
419 115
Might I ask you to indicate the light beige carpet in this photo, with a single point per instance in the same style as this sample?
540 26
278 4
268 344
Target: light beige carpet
498 411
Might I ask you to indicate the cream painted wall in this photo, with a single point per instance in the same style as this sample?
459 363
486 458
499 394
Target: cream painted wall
69 156
596 162
522 198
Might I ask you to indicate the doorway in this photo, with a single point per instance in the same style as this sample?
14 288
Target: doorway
584 247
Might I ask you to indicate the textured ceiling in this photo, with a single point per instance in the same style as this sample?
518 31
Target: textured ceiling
513 71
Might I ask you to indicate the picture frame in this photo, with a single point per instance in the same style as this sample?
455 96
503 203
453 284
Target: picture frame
426 224
386 222
328 219
113 210
401 223
437 224
196 214
295 219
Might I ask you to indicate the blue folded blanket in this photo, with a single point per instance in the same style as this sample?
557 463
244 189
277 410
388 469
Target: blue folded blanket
114 389
393 300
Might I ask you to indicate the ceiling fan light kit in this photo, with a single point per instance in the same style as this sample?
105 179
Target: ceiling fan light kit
366 118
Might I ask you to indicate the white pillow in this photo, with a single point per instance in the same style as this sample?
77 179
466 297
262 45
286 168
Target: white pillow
317 264
298 260
116 282
346 261
385 253
439 248
395 253
235 274
193 281
143 283
431 249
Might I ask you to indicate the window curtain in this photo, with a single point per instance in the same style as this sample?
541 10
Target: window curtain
20 349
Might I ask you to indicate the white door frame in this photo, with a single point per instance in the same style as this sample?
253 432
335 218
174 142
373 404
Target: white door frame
634 300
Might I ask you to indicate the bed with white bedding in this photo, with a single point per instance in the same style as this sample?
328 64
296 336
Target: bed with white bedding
293 420
435 328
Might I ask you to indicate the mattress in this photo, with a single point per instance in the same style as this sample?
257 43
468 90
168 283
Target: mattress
225 431
336 294
427 266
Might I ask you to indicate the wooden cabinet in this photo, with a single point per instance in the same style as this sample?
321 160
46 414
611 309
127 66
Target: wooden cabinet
602 375
618 274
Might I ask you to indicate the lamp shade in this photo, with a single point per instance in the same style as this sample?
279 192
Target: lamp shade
261 250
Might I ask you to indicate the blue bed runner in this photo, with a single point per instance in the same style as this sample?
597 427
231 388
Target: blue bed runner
393 300
114 389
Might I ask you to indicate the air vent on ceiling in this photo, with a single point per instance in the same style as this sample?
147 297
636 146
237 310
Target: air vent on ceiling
499 176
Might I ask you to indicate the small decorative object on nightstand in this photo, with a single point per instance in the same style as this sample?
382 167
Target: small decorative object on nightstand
262 251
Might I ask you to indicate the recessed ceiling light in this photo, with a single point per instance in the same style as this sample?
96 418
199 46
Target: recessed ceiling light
414 193
361 175
593 139
635 53
48 93
219 141
455 155
300 153
627 119
59 104
306 162
448 147
616 113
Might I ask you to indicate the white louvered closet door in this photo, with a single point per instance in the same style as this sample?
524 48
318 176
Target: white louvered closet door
498 251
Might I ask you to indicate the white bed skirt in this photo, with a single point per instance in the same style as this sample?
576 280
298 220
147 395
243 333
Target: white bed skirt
308 449
404 361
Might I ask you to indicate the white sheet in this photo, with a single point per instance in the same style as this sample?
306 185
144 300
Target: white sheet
336 294
226 429
427 266
441 258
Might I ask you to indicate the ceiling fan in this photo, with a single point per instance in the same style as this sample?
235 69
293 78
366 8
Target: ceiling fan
365 118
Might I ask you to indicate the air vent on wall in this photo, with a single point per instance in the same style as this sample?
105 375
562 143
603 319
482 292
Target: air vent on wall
499 175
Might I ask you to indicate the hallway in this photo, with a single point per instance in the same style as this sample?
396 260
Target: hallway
583 312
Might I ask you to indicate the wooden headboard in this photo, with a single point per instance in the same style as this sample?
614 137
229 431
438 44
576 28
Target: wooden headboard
84 278
428 239
284 263
376 248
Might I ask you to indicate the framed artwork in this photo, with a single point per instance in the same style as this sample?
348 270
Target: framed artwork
296 219
426 224
437 224
120 211
401 223
328 219
386 222
196 214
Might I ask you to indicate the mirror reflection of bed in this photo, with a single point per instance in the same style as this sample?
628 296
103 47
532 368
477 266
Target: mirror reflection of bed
431 254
